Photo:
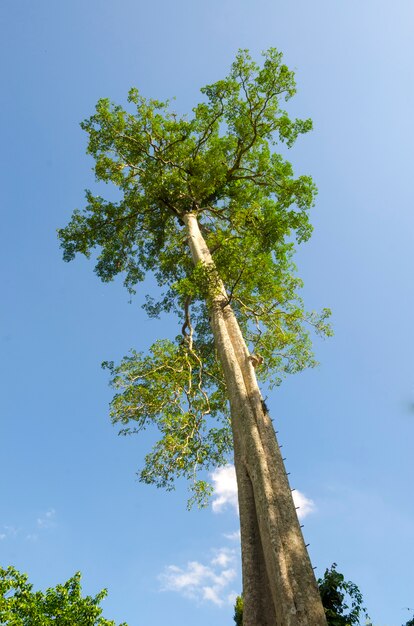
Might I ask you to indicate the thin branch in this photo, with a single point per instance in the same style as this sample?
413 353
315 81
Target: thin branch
208 131
230 296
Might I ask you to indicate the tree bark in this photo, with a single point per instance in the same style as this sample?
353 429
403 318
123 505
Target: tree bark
279 585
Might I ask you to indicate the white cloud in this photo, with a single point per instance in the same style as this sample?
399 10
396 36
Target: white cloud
225 488
234 536
47 520
176 579
44 522
203 582
224 558
225 494
231 598
306 505
210 593
8 531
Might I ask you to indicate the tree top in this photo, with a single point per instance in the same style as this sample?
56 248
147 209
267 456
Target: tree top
220 164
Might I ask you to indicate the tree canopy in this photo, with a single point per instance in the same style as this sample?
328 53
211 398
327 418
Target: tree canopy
62 605
221 164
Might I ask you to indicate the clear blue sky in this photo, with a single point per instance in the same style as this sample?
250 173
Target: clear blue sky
69 497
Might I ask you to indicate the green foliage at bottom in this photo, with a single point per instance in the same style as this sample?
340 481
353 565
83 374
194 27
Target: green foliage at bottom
341 600
238 611
62 605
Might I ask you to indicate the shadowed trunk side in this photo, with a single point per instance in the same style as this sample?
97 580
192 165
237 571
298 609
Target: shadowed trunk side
279 585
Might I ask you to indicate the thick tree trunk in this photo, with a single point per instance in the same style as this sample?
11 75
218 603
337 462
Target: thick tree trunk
279 585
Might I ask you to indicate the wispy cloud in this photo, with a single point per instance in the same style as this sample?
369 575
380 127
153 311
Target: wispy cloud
47 520
225 493
234 536
8 531
204 582
30 532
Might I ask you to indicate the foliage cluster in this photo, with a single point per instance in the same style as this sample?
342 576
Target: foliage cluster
62 605
220 164
342 600
238 611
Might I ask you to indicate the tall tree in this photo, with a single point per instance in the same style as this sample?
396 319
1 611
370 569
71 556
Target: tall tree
210 209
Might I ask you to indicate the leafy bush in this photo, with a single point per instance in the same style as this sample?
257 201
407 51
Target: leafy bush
342 600
62 605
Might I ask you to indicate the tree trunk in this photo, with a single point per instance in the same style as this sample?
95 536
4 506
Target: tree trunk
279 585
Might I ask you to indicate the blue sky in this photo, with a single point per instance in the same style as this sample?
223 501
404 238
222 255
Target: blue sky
70 500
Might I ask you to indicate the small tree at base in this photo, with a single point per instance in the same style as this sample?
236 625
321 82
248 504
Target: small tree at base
210 209
342 600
